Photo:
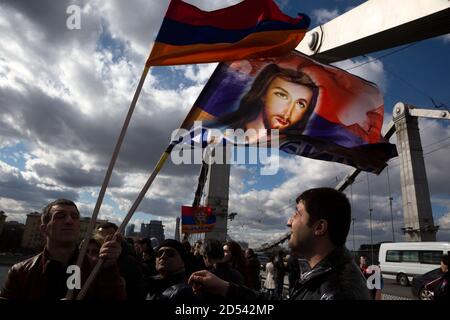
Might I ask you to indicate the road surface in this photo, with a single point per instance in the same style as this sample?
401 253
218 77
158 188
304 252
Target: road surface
390 291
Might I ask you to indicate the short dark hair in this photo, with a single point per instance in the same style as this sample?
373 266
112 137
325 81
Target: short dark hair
174 244
145 241
212 249
187 246
47 216
149 250
107 225
444 259
332 206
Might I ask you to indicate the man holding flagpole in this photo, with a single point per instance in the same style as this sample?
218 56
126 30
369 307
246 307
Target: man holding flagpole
48 275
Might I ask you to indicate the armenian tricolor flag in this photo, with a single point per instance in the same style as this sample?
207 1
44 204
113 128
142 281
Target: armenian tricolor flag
249 29
197 219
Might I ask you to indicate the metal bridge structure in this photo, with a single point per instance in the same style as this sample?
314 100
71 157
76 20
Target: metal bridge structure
373 26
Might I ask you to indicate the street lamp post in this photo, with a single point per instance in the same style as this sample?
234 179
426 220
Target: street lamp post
370 218
371 236
390 203
392 219
353 231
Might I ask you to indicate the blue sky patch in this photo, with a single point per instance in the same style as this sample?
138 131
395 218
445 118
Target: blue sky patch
14 155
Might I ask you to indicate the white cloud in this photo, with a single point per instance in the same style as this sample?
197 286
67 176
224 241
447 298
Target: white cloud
324 15
208 5
372 71
64 95
444 221
199 73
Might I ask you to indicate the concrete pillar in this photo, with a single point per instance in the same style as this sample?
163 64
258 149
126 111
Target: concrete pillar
177 229
217 198
417 212
2 220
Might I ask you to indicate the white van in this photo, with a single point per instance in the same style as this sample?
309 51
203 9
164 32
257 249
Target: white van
402 261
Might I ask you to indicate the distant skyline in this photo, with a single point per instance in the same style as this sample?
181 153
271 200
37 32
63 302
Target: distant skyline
64 95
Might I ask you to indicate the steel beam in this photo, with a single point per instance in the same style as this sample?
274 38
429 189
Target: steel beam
377 25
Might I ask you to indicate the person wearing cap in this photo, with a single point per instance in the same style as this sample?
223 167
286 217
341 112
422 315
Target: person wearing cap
171 282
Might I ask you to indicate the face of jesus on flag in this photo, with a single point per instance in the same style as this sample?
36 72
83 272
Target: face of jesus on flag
279 98
319 111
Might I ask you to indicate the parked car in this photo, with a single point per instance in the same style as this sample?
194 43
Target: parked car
401 261
418 284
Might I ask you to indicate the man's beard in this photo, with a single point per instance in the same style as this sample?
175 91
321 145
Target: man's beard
305 247
268 126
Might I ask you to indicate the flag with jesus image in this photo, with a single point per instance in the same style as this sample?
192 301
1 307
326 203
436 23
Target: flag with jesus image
319 111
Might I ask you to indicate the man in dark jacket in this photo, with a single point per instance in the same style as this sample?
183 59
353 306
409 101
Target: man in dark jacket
254 269
45 276
441 285
319 226
293 269
280 271
170 285
129 266
212 252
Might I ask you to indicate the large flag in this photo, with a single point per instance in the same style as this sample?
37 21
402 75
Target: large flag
197 219
249 29
320 111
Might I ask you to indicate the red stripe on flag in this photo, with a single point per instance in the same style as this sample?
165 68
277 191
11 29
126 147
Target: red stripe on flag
243 15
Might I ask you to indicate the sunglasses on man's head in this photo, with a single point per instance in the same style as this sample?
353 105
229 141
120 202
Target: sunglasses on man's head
169 253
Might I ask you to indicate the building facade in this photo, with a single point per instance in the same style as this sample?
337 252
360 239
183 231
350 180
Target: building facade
32 237
2 221
154 229
84 224
129 231
11 236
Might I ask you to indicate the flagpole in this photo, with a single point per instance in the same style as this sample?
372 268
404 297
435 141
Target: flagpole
130 213
112 162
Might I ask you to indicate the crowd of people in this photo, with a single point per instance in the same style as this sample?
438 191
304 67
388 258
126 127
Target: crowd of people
208 271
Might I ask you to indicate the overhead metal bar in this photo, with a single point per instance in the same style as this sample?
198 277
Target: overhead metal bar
377 25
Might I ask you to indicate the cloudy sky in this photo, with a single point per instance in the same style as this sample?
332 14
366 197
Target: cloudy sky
64 95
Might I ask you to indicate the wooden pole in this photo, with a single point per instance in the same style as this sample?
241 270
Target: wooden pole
130 213
112 162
